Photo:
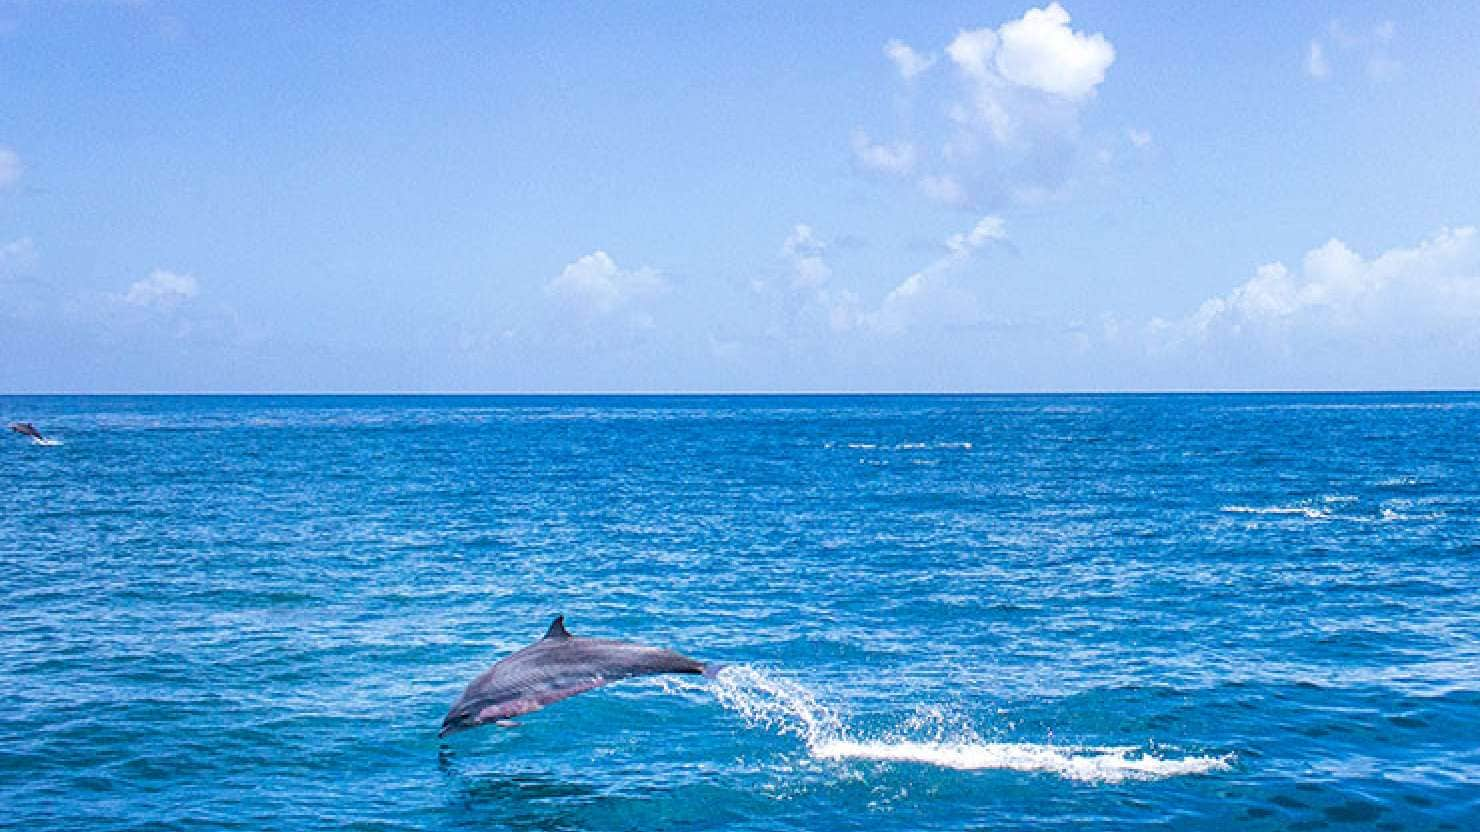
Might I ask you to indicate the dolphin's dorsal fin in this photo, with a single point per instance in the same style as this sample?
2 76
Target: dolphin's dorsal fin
557 628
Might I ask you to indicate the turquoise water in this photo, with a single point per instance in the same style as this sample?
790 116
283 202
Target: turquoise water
1068 612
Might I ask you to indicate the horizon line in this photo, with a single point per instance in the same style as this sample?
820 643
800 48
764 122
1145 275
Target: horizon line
1185 391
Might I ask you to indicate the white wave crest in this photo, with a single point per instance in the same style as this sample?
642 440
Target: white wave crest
1303 511
1098 765
788 708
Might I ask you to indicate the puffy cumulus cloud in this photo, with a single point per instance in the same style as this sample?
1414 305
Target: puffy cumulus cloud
1011 118
897 159
909 62
1429 293
1041 51
596 286
161 290
1036 54
10 167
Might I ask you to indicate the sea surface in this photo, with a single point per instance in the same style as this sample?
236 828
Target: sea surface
941 613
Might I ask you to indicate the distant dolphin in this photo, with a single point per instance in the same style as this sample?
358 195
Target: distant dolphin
27 429
558 667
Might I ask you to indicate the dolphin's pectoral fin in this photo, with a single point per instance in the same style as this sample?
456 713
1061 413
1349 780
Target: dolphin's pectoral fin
506 723
557 628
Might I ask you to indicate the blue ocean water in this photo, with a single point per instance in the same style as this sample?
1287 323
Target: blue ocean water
1059 612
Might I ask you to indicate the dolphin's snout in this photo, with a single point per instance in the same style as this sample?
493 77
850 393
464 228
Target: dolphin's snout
458 719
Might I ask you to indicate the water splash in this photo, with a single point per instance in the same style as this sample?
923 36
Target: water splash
784 706
772 702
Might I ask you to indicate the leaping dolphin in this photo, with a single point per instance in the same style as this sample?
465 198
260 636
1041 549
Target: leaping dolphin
558 667
27 429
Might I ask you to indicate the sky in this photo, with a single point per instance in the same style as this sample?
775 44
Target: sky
670 197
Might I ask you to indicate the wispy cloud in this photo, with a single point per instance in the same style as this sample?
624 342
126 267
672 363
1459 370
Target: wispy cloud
927 296
897 159
10 167
1369 46
1315 61
16 257
162 290
909 62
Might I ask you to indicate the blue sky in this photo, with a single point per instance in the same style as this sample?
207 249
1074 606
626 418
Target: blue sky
539 197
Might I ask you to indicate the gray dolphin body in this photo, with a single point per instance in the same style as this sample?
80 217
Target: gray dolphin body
27 429
558 667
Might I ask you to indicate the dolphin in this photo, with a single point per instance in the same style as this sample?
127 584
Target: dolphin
27 429
558 667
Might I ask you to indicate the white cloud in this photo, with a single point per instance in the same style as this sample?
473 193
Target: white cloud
909 62
1042 52
596 286
928 294
944 189
1428 292
1139 138
805 251
802 242
1036 52
161 289
1369 46
10 167
1022 85
1315 61
17 256
896 159
986 229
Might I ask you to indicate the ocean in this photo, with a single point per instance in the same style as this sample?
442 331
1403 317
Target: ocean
1064 612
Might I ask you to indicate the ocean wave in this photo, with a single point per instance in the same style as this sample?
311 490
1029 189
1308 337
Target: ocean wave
778 704
1403 482
902 446
1088 764
1385 514
1303 511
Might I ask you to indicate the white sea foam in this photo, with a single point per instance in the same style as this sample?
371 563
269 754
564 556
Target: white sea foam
1101 765
46 443
788 708
1304 511
1385 514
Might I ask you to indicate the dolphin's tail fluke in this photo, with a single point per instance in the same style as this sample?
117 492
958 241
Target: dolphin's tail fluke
712 669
